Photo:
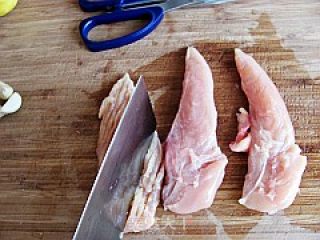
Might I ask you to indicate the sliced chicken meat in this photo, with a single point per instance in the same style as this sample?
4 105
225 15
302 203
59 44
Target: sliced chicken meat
143 199
111 111
194 163
147 194
275 164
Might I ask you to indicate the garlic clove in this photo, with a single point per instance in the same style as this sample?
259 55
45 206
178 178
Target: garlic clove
12 105
5 91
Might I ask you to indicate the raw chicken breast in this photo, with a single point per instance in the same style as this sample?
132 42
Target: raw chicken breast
194 163
111 111
275 165
147 194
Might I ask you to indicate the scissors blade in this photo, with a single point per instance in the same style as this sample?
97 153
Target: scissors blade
174 4
141 3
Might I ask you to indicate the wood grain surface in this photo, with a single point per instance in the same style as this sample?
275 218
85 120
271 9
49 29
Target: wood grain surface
47 150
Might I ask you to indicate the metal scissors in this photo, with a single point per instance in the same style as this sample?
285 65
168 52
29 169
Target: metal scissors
124 10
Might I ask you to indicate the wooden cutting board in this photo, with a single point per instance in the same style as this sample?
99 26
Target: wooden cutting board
47 150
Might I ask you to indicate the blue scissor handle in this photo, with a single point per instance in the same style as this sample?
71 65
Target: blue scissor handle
153 14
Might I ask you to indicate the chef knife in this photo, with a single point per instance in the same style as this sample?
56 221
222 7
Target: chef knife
106 211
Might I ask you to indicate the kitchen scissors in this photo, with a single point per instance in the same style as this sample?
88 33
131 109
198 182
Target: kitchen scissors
124 10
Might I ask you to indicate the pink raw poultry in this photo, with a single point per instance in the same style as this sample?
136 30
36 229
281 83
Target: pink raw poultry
266 132
194 163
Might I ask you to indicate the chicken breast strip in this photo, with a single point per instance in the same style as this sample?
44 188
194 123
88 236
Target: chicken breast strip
194 163
275 164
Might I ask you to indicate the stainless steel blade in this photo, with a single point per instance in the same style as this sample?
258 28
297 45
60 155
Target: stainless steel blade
174 4
171 5
141 4
106 210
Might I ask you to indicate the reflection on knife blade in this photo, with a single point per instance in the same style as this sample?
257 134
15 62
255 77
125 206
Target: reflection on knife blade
147 194
134 144
124 186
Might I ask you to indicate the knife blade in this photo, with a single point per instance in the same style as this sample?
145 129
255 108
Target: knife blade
106 210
